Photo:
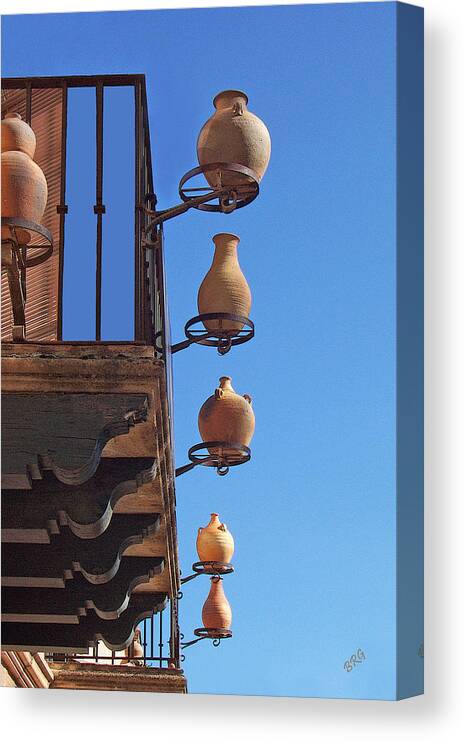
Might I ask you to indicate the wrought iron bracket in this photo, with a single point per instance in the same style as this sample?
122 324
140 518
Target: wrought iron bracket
220 455
232 196
15 223
215 635
222 338
211 569
15 261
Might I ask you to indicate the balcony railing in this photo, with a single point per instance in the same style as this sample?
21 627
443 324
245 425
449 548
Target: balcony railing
160 642
49 105
58 114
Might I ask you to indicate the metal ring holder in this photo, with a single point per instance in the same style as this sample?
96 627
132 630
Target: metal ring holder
211 569
216 635
222 338
16 261
230 196
236 455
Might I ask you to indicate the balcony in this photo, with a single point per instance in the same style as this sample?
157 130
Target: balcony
89 541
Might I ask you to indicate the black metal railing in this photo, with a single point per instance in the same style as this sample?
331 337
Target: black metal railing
160 633
159 638
149 293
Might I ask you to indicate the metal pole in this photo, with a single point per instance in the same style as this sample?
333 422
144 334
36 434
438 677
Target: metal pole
99 209
62 210
138 288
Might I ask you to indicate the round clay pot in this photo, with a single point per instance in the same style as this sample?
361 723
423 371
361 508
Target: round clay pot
226 416
235 135
214 542
216 612
224 288
135 652
17 135
24 188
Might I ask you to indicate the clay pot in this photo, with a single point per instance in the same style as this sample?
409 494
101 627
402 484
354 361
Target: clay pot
17 135
226 416
135 651
24 187
224 288
234 134
214 542
216 612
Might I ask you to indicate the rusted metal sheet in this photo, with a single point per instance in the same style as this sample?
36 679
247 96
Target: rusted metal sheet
41 280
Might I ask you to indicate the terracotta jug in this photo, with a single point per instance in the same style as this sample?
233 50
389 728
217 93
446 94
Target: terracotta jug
24 187
214 542
234 134
135 652
17 135
216 612
226 416
224 288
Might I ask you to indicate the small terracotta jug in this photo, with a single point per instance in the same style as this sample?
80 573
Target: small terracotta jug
216 612
226 416
234 135
224 288
24 187
17 135
214 542
135 652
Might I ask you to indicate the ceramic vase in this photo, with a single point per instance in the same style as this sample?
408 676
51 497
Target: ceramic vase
224 288
234 135
226 416
24 187
216 612
135 652
214 542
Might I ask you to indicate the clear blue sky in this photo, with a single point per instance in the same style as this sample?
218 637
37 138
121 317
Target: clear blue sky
313 514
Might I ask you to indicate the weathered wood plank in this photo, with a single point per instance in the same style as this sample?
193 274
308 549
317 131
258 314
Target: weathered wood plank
49 565
32 516
100 676
52 605
62 432
116 634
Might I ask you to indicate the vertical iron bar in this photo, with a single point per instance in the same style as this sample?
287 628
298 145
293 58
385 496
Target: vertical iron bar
172 632
62 210
145 641
24 249
138 307
174 641
28 103
152 621
161 638
99 209
152 320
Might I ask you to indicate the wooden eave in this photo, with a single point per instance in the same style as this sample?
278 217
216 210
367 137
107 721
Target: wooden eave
99 372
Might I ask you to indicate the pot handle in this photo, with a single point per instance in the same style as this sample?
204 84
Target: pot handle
200 530
238 109
219 393
223 527
248 398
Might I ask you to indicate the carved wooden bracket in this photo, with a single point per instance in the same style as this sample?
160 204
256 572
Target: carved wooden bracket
50 565
62 432
35 515
67 638
109 600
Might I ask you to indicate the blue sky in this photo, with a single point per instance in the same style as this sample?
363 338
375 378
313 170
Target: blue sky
313 513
